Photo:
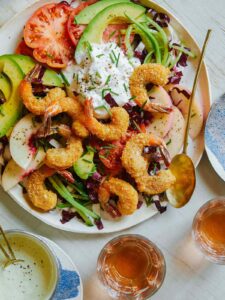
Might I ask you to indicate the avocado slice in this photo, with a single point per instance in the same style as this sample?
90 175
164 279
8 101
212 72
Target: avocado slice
87 14
84 167
11 109
26 63
94 31
5 86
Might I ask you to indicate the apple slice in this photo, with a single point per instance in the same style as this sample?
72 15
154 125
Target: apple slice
21 147
161 123
13 173
180 97
175 137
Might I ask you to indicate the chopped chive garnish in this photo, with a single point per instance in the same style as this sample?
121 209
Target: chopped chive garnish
104 107
64 79
125 87
107 153
169 142
112 34
98 75
114 55
132 98
111 57
118 58
192 116
137 126
114 93
90 88
100 55
108 80
87 161
110 146
143 105
102 156
103 92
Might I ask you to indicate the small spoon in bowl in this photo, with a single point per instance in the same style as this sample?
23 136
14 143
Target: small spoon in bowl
182 166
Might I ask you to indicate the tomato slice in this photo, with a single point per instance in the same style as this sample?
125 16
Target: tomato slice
75 30
110 154
23 49
46 33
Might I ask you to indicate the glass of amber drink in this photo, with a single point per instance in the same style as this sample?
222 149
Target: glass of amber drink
209 230
131 267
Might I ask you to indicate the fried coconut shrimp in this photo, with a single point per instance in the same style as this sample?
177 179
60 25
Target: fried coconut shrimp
74 109
137 166
38 105
128 196
64 158
38 194
144 74
106 132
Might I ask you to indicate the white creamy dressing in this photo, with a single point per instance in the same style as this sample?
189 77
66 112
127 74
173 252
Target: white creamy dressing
104 69
32 279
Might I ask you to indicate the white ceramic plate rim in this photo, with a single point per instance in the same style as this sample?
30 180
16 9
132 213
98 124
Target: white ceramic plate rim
56 248
212 157
143 214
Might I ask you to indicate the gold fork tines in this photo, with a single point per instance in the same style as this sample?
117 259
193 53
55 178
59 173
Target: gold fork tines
11 259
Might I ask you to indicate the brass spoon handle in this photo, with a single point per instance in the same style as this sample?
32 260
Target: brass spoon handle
194 91
7 243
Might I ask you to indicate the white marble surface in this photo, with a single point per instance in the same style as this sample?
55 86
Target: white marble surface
189 275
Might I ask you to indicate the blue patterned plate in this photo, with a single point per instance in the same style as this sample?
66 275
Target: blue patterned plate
215 137
70 284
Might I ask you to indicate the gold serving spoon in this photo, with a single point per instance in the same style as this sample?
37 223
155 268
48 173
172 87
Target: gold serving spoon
182 166
10 256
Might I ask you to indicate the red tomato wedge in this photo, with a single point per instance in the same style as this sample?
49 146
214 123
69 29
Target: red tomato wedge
23 49
46 33
74 30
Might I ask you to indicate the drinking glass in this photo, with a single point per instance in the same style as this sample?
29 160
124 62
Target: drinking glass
208 230
131 267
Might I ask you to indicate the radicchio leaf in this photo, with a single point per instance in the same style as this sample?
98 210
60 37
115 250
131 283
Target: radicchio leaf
183 60
137 115
99 224
92 185
176 76
160 208
139 205
141 54
161 19
112 210
67 216
110 100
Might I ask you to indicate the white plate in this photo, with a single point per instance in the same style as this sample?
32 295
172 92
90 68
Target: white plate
215 137
9 36
70 284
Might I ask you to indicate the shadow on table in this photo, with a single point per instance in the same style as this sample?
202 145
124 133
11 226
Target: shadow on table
210 177
188 255
93 290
